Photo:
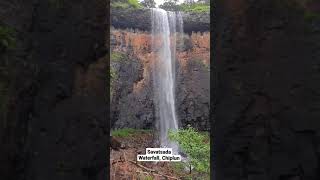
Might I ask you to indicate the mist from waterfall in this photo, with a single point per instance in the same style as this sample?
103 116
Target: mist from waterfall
164 37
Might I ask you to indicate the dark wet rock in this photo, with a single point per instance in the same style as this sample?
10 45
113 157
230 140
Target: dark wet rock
132 101
141 19
192 95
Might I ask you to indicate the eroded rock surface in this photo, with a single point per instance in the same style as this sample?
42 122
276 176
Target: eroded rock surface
132 101
141 19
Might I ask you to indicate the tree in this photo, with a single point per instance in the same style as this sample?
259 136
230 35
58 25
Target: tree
170 5
149 3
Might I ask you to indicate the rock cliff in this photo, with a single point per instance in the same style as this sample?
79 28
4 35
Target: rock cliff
132 100
141 19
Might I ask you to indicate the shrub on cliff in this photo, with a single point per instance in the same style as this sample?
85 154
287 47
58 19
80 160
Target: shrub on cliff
170 5
187 6
196 145
195 7
134 3
125 4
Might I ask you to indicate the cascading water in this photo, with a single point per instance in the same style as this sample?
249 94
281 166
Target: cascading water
164 51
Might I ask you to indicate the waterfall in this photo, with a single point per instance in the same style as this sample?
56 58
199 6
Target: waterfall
164 53
180 29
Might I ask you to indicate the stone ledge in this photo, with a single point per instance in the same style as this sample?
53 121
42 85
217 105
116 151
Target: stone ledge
141 19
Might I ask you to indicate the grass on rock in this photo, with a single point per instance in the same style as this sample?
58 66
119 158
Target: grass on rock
126 132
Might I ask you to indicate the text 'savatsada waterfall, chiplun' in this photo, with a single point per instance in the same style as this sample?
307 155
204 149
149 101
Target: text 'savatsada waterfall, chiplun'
164 36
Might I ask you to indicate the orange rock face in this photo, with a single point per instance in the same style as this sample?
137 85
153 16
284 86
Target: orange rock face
200 50
140 44
133 94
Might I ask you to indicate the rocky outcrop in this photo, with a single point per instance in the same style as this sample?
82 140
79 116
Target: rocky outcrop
132 100
266 91
141 19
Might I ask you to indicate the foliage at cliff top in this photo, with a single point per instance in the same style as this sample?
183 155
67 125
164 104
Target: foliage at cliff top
198 8
126 4
196 145
188 6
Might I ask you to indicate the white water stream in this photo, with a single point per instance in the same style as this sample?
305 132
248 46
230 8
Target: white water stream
164 30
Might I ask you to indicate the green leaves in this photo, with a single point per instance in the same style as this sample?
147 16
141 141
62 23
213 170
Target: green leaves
125 4
196 145
135 4
196 7
117 56
126 132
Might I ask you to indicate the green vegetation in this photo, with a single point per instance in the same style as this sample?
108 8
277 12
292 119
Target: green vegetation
197 146
126 132
134 4
125 4
170 5
204 65
196 7
181 169
145 177
113 75
113 79
178 166
188 6
117 56
200 63
120 5
7 38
